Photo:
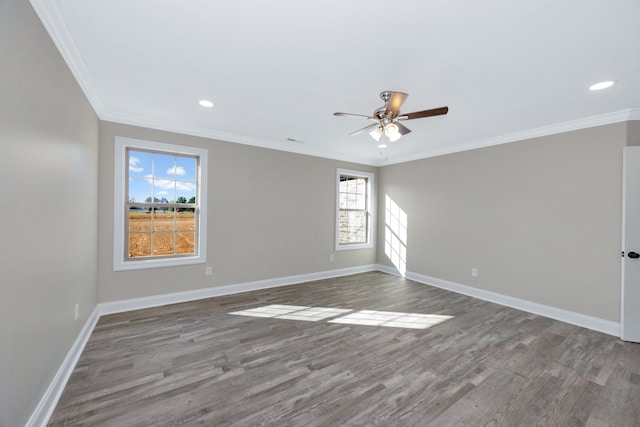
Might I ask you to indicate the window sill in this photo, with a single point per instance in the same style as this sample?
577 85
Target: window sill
157 263
354 246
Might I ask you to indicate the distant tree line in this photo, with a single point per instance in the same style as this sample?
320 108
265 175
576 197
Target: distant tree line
164 200
180 199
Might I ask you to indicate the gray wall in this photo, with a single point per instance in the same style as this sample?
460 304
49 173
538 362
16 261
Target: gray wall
633 132
48 210
271 214
540 219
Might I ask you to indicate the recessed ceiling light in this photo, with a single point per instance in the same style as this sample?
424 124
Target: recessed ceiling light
205 103
602 85
382 146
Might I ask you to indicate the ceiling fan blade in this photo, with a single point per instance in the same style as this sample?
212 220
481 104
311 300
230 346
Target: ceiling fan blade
402 129
351 114
395 102
364 129
425 113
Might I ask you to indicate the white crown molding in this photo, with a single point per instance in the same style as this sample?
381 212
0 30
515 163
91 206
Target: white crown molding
634 114
168 126
53 23
584 123
41 415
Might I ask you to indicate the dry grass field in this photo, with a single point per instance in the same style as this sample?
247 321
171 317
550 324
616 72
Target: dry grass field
169 233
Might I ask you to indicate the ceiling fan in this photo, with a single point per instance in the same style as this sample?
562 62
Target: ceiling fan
387 118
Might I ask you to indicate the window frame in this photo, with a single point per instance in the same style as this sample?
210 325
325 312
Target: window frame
120 220
370 202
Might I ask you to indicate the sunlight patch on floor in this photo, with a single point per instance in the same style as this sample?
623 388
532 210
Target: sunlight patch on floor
390 319
292 312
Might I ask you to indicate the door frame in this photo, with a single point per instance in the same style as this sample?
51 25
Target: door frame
625 167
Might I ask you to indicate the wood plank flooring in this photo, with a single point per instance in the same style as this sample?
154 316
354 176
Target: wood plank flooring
488 365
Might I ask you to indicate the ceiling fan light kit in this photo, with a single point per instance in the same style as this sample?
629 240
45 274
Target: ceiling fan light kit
387 118
392 132
376 133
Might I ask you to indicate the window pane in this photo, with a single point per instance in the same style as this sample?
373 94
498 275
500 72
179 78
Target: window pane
164 166
343 200
361 186
355 201
353 227
163 220
186 168
164 190
349 198
139 219
343 228
139 244
353 193
358 227
163 243
186 220
185 190
185 242
140 163
140 189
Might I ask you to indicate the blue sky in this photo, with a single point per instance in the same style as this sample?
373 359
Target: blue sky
161 176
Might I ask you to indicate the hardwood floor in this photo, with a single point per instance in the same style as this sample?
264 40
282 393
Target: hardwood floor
197 364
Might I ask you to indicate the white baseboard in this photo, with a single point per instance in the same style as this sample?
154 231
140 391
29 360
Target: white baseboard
197 294
44 410
388 270
583 320
41 415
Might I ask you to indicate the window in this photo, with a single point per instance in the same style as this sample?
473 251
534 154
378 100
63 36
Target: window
353 213
160 208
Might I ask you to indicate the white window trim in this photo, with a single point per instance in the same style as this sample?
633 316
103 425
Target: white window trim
370 203
119 193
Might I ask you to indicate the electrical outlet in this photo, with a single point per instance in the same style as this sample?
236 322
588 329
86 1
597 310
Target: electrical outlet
331 258
208 271
474 272
76 312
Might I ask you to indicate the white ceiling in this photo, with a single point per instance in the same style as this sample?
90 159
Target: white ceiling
507 69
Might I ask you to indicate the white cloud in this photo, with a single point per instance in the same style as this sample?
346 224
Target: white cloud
162 193
133 164
178 170
170 184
